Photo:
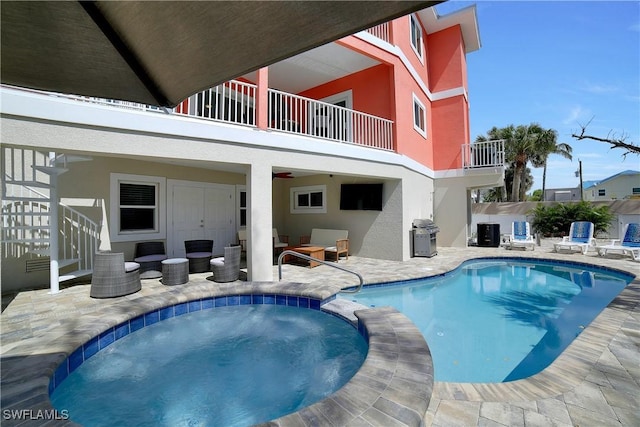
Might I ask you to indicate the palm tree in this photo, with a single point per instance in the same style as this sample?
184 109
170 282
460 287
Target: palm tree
525 144
550 147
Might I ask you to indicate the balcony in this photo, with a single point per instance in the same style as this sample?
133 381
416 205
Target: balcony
486 154
234 102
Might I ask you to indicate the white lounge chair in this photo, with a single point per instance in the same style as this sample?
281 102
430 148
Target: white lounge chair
521 236
580 237
628 245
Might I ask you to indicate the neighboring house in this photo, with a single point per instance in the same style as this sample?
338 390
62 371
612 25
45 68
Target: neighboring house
387 106
562 194
623 185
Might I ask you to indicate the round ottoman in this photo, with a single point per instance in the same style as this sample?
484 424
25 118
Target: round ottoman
175 271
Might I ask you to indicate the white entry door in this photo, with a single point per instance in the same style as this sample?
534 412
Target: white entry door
200 211
220 216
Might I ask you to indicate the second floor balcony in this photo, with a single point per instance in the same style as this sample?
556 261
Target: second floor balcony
235 102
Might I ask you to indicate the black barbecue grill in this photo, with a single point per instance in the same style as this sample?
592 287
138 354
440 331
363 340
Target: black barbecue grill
424 238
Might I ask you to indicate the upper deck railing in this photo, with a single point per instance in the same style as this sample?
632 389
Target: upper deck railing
380 31
231 102
305 116
483 154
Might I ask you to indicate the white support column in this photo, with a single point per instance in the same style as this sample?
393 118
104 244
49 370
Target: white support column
259 223
54 272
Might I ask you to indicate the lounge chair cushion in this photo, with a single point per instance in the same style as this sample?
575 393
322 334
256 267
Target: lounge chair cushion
520 230
582 232
632 236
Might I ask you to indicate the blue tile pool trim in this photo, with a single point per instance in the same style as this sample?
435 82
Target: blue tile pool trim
111 335
575 264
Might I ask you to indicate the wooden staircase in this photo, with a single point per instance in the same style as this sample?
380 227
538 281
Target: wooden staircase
34 223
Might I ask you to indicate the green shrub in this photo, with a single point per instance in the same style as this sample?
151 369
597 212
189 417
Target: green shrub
555 220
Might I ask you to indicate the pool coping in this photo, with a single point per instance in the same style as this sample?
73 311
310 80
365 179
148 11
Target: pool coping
393 385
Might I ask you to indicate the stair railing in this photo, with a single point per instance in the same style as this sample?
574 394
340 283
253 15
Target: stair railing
24 219
321 261
80 237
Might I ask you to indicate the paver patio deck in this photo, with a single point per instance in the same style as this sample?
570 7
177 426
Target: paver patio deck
595 382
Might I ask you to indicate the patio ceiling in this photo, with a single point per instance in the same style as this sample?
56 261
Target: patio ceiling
159 53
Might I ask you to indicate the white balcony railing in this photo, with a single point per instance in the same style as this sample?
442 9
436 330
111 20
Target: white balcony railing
483 154
305 116
231 102
380 31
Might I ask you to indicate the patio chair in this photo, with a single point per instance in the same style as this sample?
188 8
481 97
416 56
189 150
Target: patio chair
628 245
150 256
242 239
199 254
521 236
113 277
280 241
227 268
580 237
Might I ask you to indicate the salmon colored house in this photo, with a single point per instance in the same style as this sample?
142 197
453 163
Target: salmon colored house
275 148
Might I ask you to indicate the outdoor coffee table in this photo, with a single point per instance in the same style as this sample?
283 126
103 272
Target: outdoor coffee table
316 252
175 271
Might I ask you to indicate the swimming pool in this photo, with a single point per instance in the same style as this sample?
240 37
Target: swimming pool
498 320
230 366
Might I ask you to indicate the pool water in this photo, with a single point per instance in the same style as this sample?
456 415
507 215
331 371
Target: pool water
497 321
228 366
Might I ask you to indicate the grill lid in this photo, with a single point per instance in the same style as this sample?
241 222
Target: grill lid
423 223
426 224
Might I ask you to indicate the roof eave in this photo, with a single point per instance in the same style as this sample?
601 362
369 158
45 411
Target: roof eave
467 18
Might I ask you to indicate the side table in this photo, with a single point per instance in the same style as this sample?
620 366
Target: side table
175 271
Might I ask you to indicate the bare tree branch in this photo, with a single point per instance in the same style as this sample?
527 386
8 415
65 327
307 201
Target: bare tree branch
610 139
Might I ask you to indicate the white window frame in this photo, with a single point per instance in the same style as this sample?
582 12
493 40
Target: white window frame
239 208
419 48
423 110
160 231
294 192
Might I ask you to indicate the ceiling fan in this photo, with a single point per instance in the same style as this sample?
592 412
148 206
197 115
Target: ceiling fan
275 175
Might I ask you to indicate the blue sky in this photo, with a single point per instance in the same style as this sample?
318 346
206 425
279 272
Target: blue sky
559 64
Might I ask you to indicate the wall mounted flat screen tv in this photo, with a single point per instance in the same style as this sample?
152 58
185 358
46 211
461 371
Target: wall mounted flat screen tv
366 197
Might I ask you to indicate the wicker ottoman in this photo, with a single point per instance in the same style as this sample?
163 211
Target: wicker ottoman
175 271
